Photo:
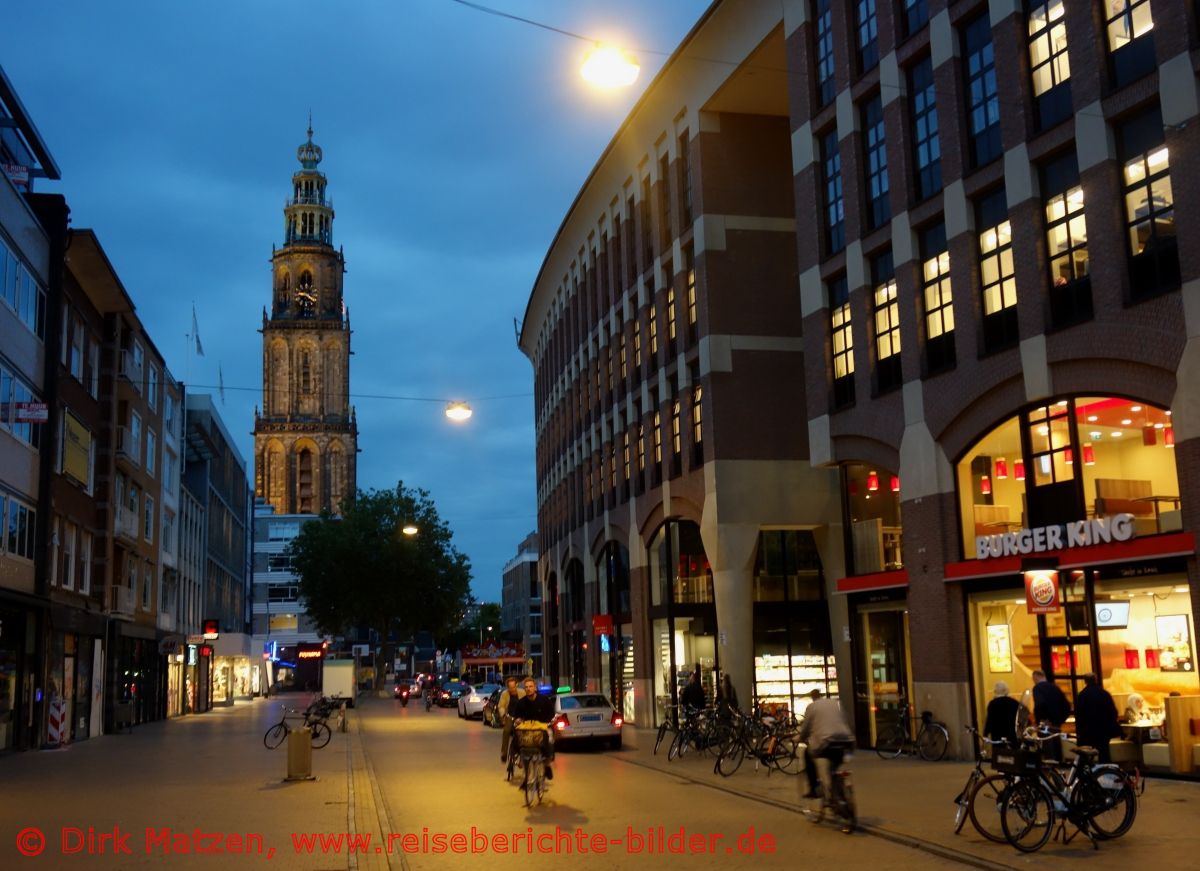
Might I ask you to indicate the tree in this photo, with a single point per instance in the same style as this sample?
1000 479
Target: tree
360 569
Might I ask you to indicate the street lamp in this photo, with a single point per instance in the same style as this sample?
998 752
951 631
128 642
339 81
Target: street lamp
409 529
609 67
458 411
489 629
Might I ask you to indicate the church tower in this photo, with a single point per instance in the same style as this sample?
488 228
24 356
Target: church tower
306 437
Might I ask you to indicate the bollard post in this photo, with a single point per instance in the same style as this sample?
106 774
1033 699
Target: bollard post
300 754
341 718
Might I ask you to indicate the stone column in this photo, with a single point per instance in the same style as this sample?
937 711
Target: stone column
730 548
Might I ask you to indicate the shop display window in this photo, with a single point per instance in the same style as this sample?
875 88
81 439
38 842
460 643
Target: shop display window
1071 460
787 567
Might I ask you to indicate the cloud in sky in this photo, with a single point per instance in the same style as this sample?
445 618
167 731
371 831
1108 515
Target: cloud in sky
454 142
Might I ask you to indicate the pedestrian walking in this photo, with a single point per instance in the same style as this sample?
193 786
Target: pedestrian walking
1096 721
1050 709
1001 722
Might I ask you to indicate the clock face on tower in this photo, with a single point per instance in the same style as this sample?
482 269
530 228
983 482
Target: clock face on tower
306 294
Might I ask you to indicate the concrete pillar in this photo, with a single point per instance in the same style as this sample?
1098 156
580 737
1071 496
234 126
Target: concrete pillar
730 549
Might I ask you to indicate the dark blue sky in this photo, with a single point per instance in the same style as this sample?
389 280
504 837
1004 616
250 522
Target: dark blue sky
454 143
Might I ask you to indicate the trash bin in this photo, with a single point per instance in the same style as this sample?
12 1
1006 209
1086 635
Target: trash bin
300 754
123 716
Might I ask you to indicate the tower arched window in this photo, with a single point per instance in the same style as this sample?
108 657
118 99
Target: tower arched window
304 482
305 371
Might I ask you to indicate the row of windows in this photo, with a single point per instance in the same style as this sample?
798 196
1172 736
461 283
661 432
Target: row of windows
1131 48
21 292
129 496
1152 261
71 557
80 352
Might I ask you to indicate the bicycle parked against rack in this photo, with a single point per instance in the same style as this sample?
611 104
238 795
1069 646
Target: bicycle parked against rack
981 795
930 743
1100 801
705 731
314 717
838 796
771 743
670 723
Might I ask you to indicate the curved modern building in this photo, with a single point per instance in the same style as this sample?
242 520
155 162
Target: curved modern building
863 361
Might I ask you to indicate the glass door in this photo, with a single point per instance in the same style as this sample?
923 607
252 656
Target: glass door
1067 637
886 665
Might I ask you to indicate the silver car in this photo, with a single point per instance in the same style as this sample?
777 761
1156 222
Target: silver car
586 716
470 704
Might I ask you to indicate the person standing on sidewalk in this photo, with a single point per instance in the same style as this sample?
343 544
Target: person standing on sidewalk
1001 723
511 693
1050 709
1096 721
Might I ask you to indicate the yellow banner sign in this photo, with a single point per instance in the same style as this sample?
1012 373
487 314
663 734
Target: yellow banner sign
77 449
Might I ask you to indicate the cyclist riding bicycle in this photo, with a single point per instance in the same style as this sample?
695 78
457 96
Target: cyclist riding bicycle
827 735
539 709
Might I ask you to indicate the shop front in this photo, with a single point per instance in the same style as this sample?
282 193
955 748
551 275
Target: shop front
612 628
137 674
74 677
232 677
17 707
683 614
1074 563
793 654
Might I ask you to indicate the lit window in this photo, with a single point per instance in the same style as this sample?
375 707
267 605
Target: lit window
938 300
842 342
886 312
997 275
1048 60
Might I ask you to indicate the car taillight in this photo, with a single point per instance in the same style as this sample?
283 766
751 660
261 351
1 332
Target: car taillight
617 720
560 722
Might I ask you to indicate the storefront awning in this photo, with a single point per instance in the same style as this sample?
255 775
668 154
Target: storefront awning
878 581
1136 550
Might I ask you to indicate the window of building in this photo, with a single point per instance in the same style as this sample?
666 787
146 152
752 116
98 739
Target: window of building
697 424
656 435
622 354
618 260
654 333
886 317
641 455
842 342
868 34
689 267
938 301
152 386
824 54
872 499
1130 41
625 460
93 370
835 207
926 146
676 437
997 273
147 584
22 293
148 518
15 400
67 574
671 332
1066 242
630 241
875 146
664 201
1149 206
983 100
77 346
20 521
151 452
637 347
915 16
685 180
85 562
1048 60
135 436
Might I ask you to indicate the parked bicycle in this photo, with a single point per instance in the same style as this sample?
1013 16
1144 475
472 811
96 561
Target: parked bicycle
314 717
981 795
704 731
930 742
1100 801
670 723
836 797
772 743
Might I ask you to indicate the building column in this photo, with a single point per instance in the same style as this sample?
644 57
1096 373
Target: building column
730 548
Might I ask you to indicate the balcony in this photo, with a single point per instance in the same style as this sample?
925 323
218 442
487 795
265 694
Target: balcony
130 371
121 601
125 525
127 446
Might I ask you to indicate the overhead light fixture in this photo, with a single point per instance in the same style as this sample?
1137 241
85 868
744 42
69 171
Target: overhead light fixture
1149 436
985 485
1089 455
409 529
609 67
458 411
1126 422
1069 457
1019 470
1169 437
872 482
1092 418
1135 408
895 483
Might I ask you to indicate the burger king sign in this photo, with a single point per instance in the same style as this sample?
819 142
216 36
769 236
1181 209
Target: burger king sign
1041 592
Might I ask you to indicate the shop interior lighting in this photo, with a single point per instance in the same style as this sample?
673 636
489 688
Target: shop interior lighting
1089 455
1069 457
1169 437
1135 408
1001 468
873 482
985 485
895 483
1019 470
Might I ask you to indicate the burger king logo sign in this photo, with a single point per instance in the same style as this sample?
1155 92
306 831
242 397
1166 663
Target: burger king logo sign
1041 592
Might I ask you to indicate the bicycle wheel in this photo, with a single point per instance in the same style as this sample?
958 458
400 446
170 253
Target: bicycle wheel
321 733
932 742
983 806
541 781
678 743
963 803
275 735
529 784
890 742
844 801
787 755
663 727
1110 802
731 757
1027 815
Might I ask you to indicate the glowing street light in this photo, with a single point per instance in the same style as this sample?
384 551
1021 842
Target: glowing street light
458 411
608 67
409 529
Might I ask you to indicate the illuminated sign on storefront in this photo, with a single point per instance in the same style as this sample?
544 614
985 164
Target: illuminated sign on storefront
1042 539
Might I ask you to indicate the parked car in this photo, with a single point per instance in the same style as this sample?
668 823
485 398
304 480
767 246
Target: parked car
470 703
489 715
586 716
448 695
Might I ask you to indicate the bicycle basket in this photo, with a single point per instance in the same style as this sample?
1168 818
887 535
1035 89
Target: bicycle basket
1016 761
531 739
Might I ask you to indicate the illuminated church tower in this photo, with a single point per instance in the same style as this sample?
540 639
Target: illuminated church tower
306 437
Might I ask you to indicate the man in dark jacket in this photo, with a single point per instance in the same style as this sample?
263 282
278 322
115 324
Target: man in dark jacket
1096 721
693 694
1001 724
1050 709
534 708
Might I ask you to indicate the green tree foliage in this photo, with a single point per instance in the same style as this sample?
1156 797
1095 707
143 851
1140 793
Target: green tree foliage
360 569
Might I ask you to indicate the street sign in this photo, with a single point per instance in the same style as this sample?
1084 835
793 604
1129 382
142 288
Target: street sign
32 412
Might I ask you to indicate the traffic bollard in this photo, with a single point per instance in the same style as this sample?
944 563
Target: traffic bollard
300 754
341 718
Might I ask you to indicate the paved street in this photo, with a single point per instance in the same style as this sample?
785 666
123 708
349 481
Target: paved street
410 772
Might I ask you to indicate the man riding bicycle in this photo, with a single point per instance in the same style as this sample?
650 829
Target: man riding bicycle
534 708
827 735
